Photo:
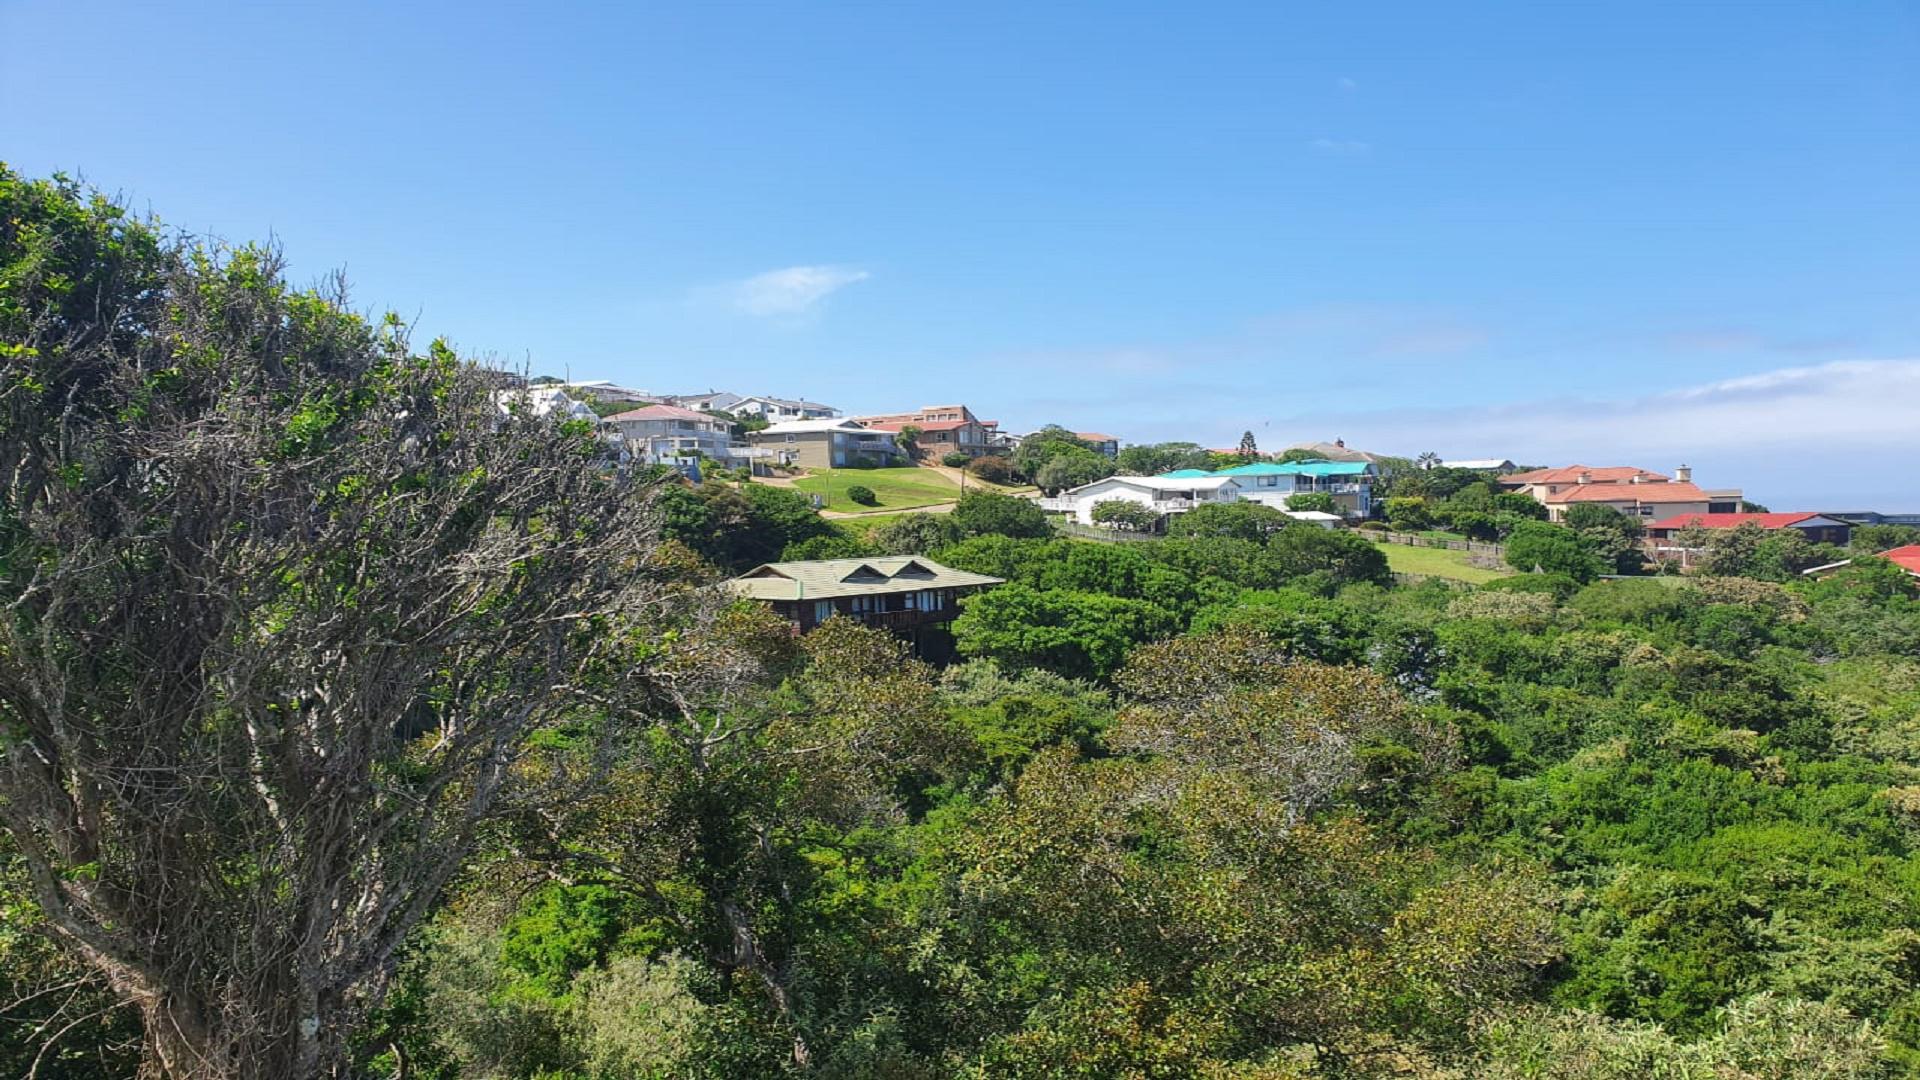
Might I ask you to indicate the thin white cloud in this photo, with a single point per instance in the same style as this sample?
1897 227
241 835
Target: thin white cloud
1346 84
1837 432
794 290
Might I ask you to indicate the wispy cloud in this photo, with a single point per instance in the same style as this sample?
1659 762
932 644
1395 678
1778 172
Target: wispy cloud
1832 432
1346 84
794 290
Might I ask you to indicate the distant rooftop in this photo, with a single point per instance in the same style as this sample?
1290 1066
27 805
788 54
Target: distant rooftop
827 579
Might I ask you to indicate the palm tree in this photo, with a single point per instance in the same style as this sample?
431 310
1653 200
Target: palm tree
1428 460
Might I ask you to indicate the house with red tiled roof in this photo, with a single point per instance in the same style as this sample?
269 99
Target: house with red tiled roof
667 434
1633 491
1818 528
943 429
1105 444
1906 558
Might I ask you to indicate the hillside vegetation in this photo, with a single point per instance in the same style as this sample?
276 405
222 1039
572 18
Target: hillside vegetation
356 723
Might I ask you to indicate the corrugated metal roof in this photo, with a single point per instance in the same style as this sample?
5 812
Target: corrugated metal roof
826 579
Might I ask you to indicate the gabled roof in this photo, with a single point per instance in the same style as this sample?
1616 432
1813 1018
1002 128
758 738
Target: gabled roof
1807 520
788 403
1667 491
1186 474
1095 436
826 579
797 427
1478 463
663 412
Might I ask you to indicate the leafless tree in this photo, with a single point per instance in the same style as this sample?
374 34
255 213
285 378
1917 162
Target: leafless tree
283 603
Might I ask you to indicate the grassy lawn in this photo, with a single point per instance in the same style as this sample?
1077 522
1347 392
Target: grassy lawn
1437 562
896 489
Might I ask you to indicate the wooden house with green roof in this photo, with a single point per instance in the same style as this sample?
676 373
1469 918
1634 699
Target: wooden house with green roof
908 594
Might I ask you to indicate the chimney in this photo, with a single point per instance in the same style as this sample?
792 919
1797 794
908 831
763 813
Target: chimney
1585 477
1683 474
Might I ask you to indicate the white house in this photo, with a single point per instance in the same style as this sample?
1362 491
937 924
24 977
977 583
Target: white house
776 410
604 390
662 434
545 400
1165 495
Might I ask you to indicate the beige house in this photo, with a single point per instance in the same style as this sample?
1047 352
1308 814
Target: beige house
1633 491
826 444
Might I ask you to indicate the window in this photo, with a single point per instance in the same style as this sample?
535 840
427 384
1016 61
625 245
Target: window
822 610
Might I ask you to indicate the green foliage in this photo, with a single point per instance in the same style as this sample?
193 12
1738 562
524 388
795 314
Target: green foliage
915 534
1069 467
1152 459
1240 519
1408 513
1085 634
736 528
1554 549
1125 514
1313 500
862 494
956 459
983 513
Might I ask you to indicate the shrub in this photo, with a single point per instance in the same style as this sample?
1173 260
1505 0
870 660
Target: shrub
863 495
994 470
956 460
1125 514
1536 545
1244 520
982 513
915 534
1313 500
1409 514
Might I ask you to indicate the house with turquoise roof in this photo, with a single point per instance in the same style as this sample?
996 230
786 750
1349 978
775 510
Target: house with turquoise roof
1350 483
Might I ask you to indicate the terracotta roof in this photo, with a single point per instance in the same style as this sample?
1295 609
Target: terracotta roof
664 412
1670 491
1908 557
1570 474
1095 436
923 425
1731 521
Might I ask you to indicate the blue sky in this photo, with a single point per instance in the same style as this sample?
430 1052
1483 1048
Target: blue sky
1621 233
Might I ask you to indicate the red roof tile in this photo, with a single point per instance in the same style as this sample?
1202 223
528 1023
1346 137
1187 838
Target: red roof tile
1667 491
1731 521
1908 557
1570 474
923 425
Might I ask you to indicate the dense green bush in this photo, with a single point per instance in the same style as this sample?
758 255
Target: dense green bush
862 494
956 459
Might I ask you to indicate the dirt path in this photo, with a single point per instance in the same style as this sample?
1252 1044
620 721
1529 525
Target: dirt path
931 508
